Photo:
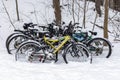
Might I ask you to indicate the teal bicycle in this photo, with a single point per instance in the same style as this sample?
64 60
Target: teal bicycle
97 46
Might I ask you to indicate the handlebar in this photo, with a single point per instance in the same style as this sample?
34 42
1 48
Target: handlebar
75 24
27 25
72 25
93 33
44 27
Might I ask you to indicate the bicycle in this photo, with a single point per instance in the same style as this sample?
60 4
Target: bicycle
26 31
97 46
20 36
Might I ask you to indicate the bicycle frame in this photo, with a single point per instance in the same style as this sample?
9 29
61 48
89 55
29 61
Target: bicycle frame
51 42
80 37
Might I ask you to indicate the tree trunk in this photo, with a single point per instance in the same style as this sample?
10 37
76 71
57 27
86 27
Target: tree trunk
111 4
84 16
57 11
17 10
73 10
97 7
106 19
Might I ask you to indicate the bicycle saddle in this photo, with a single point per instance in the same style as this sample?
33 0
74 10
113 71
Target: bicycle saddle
93 33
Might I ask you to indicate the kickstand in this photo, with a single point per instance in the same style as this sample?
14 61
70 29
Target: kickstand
56 59
91 58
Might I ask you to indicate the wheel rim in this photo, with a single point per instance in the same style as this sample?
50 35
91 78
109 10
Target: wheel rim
76 53
14 44
99 48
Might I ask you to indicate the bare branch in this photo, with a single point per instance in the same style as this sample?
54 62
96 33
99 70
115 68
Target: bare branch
8 15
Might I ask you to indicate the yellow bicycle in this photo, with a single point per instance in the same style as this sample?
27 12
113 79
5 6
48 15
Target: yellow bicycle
33 50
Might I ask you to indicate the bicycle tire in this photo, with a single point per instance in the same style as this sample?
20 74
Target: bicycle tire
68 56
9 37
25 46
14 37
13 34
93 42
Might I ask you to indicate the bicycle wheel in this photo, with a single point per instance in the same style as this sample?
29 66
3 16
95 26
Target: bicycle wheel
100 47
9 37
29 51
76 53
14 42
12 35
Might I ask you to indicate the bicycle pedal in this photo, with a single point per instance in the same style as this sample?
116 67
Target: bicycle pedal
42 59
30 59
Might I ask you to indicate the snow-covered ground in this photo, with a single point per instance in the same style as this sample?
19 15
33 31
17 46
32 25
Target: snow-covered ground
100 69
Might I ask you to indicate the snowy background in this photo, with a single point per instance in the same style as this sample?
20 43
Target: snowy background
41 12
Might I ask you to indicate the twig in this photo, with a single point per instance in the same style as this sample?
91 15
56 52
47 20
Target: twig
99 26
34 12
73 11
8 15
94 22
